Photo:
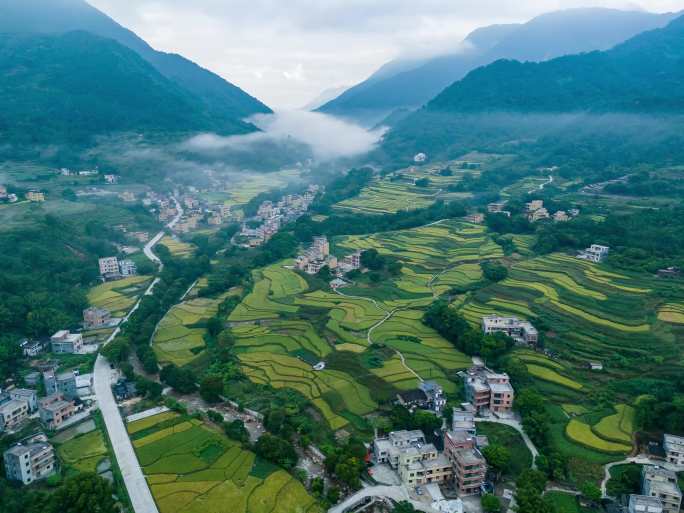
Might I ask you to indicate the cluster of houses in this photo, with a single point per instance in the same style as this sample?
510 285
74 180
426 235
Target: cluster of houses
64 394
65 171
272 216
111 268
317 256
536 211
594 253
33 195
8 197
461 463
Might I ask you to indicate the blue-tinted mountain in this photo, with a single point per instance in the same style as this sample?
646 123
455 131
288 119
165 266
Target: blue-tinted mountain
219 97
545 37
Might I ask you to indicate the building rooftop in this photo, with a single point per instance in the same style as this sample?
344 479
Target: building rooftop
469 456
11 405
673 440
645 504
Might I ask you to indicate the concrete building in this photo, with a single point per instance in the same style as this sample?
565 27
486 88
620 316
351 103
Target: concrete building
419 465
127 268
94 317
12 413
495 208
64 383
523 332
662 483
428 396
644 504
561 216
27 395
64 342
386 450
534 205
30 462
594 253
35 196
674 449
30 348
108 266
538 215
470 469
54 410
489 391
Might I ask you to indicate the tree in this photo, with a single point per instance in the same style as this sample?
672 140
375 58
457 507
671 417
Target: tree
236 430
181 380
211 388
493 271
84 493
277 450
498 457
591 491
491 503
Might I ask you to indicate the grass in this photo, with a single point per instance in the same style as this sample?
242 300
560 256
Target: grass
563 502
84 452
582 434
118 296
506 436
199 470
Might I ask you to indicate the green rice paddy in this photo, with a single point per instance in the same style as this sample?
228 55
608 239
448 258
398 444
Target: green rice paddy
118 296
192 468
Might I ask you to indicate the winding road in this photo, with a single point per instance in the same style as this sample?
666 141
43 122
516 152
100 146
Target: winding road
134 480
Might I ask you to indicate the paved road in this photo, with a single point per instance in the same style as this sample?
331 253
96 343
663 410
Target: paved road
138 491
396 493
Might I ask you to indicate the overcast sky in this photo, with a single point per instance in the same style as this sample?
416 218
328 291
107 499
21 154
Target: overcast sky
287 52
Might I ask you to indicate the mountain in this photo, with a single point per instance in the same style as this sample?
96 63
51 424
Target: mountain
69 87
548 36
636 86
219 97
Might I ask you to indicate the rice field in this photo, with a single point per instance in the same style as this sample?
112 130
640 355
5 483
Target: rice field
84 452
618 427
591 311
177 247
397 191
582 433
672 313
179 337
192 468
118 296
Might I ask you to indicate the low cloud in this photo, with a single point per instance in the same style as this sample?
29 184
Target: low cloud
327 138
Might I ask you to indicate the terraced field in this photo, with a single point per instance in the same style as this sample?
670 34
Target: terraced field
177 247
672 313
591 312
84 452
398 191
192 468
118 296
282 329
179 337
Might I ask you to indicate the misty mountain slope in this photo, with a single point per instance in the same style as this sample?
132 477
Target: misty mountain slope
69 87
638 84
547 36
220 97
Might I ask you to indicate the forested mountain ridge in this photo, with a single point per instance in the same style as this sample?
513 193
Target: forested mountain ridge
622 105
545 37
69 87
644 74
219 97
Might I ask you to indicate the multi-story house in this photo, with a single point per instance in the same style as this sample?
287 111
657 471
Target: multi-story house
94 317
109 266
674 449
35 196
470 469
419 465
594 253
487 390
54 410
662 483
387 450
428 396
523 332
12 413
127 268
64 383
30 462
65 342
27 395
30 348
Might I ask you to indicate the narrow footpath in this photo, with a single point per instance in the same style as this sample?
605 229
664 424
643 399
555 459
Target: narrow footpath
134 480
